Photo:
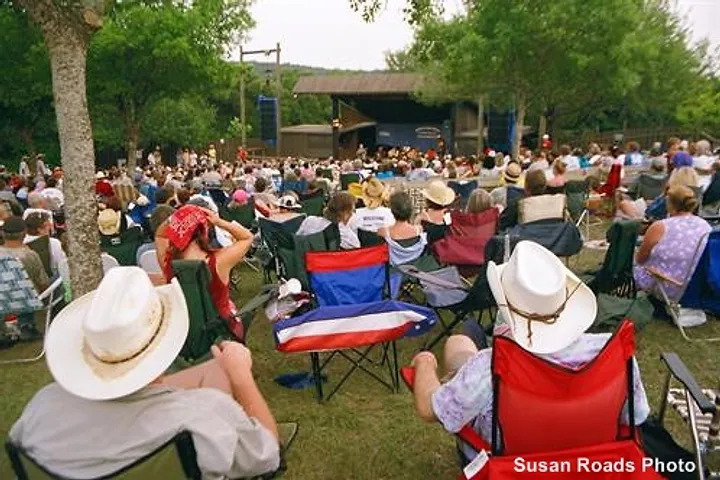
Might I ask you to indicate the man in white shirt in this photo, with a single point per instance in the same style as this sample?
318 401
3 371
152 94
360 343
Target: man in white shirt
24 169
38 225
54 197
40 168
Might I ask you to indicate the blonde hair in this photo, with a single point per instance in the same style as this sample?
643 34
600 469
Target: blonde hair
681 199
683 176
479 201
559 166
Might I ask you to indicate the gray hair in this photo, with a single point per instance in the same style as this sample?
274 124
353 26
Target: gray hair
703 147
35 200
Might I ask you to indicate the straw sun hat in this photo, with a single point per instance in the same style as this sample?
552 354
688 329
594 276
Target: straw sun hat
439 193
109 221
373 193
545 305
117 339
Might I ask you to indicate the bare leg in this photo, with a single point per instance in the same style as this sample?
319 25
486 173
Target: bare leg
206 375
458 349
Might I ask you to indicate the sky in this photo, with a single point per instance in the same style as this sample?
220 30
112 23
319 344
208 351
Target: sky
329 34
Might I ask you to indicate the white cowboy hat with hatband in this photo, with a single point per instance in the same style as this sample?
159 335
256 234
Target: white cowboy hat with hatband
117 339
545 305
288 202
439 193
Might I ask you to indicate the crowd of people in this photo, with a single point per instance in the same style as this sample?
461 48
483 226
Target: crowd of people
133 326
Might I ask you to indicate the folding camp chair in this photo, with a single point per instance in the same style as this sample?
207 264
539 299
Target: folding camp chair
41 246
464 245
561 238
542 207
206 325
462 190
700 286
243 214
541 414
297 186
698 408
616 275
123 247
353 315
347 178
327 240
368 238
576 194
313 205
650 187
218 196
446 290
176 459
18 295
278 237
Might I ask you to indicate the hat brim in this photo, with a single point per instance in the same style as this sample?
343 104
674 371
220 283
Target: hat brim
579 314
443 202
66 357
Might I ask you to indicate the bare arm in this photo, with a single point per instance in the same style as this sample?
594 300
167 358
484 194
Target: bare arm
426 382
235 359
653 235
230 256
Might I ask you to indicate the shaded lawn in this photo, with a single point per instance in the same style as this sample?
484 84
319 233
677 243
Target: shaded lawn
366 432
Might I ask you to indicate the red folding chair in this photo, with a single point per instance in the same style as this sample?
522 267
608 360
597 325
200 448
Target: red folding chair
546 414
464 245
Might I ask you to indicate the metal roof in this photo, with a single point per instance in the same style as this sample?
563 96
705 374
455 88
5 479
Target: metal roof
311 129
359 84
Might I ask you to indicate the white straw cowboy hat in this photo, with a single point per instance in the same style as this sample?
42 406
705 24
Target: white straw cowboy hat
439 193
545 305
109 221
117 339
373 193
288 202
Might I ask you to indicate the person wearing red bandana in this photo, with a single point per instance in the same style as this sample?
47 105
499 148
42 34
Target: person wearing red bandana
187 234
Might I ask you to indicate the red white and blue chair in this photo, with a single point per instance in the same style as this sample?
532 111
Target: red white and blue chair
354 315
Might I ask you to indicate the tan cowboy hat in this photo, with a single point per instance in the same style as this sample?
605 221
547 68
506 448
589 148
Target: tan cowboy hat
439 193
119 338
512 173
109 222
373 193
545 305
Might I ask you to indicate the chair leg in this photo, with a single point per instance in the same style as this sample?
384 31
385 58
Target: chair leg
692 422
663 399
317 375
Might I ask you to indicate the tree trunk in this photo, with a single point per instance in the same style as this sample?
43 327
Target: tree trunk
481 126
519 122
67 39
542 128
27 138
133 138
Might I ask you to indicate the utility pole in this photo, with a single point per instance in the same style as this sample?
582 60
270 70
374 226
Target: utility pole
278 92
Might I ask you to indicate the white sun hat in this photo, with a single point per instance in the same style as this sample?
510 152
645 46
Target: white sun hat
545 305
117 339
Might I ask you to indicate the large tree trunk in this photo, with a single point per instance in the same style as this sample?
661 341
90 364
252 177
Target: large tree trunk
67 35
480 147
519 123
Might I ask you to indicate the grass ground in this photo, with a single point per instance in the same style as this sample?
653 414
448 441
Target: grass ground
366 432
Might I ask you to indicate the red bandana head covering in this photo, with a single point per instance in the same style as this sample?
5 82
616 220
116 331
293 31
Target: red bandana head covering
183 224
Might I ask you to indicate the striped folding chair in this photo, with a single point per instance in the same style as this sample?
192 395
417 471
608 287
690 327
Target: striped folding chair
353 315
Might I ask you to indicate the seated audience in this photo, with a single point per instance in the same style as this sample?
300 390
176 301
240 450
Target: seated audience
479 201
286 208
239 198
535 183
438 198
373 215
552 327
511 191
703 163
263 193
14 230
672 245
339 210
685 176
40 225
399 235
626 208
558 180
658 164
188 234
111 404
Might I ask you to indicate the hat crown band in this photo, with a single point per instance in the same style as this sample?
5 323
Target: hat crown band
124 316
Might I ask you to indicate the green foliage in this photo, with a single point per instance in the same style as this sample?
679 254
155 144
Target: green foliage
27 118
188 120
149 55
702 111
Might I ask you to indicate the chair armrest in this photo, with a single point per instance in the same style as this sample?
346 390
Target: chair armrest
49 290
678 370
660 275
